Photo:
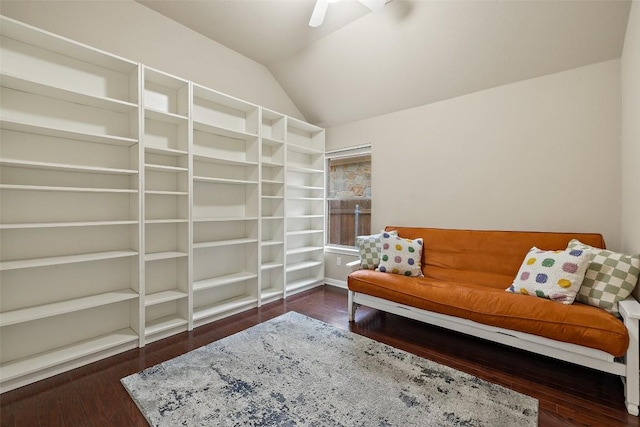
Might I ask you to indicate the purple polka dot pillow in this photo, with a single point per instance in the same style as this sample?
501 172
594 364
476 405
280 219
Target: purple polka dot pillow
555 275
400 256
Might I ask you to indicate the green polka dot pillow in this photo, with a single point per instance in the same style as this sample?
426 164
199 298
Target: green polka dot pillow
369 248
400 256
610 277
555 275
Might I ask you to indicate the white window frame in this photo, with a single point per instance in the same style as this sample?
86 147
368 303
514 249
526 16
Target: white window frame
340 153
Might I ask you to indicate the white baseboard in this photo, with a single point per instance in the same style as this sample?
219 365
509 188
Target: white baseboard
337 283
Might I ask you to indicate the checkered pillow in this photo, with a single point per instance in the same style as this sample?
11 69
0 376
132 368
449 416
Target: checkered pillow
369 248
610 277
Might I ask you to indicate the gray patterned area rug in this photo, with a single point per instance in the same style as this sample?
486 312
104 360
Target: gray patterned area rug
298 371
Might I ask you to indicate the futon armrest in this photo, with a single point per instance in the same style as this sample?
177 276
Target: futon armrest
630 308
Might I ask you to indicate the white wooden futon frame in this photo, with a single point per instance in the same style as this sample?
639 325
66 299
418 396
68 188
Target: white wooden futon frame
627 367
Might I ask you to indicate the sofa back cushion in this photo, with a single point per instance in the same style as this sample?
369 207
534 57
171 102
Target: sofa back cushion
484 257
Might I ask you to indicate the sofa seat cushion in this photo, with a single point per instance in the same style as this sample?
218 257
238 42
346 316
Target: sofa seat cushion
576 323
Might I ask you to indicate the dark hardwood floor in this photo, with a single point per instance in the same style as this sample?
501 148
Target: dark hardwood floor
569 395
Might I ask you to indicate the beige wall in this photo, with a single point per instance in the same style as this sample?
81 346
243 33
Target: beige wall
630 77
135 32
541 154
337 274
630 83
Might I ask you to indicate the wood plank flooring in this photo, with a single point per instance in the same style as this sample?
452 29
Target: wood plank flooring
92 395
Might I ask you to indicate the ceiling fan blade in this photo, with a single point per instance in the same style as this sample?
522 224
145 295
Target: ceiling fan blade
374 4
319 11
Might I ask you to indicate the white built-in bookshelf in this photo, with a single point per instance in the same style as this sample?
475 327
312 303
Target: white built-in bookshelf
136 205
272 194
166 168
225 148
305 205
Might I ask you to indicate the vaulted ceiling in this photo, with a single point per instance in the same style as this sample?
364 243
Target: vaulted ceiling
361 64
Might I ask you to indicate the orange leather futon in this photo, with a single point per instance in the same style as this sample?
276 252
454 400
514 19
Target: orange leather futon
466 273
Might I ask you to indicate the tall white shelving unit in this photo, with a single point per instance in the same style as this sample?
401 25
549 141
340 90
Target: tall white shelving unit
167 204
135 205
305 206
69 212
225 205
272 189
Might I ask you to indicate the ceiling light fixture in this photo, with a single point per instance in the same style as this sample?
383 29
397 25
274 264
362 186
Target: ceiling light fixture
320 9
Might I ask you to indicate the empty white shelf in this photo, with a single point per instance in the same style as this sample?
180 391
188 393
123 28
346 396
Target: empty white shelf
217 130
302 169
229 242
65 47
165 151
302 232
304 249
222 161
53 309
67 134
64 167
270 293
27 225
272 141
312 199
164 324
223 180
302 265
164 116
164 168
223 306
299 125
23 85
67 259
222 100
270 265
58 356
268 164
65 189
165 221
156 256
225 219
303 149
297 284
304 187
164 296
228 279
271 242
166 193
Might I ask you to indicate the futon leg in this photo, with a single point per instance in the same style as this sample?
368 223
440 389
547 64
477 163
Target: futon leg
632 380
352 307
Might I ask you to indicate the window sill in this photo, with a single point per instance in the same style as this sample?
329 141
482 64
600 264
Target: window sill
341 250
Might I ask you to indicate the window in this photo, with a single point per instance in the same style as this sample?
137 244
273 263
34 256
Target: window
348 195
